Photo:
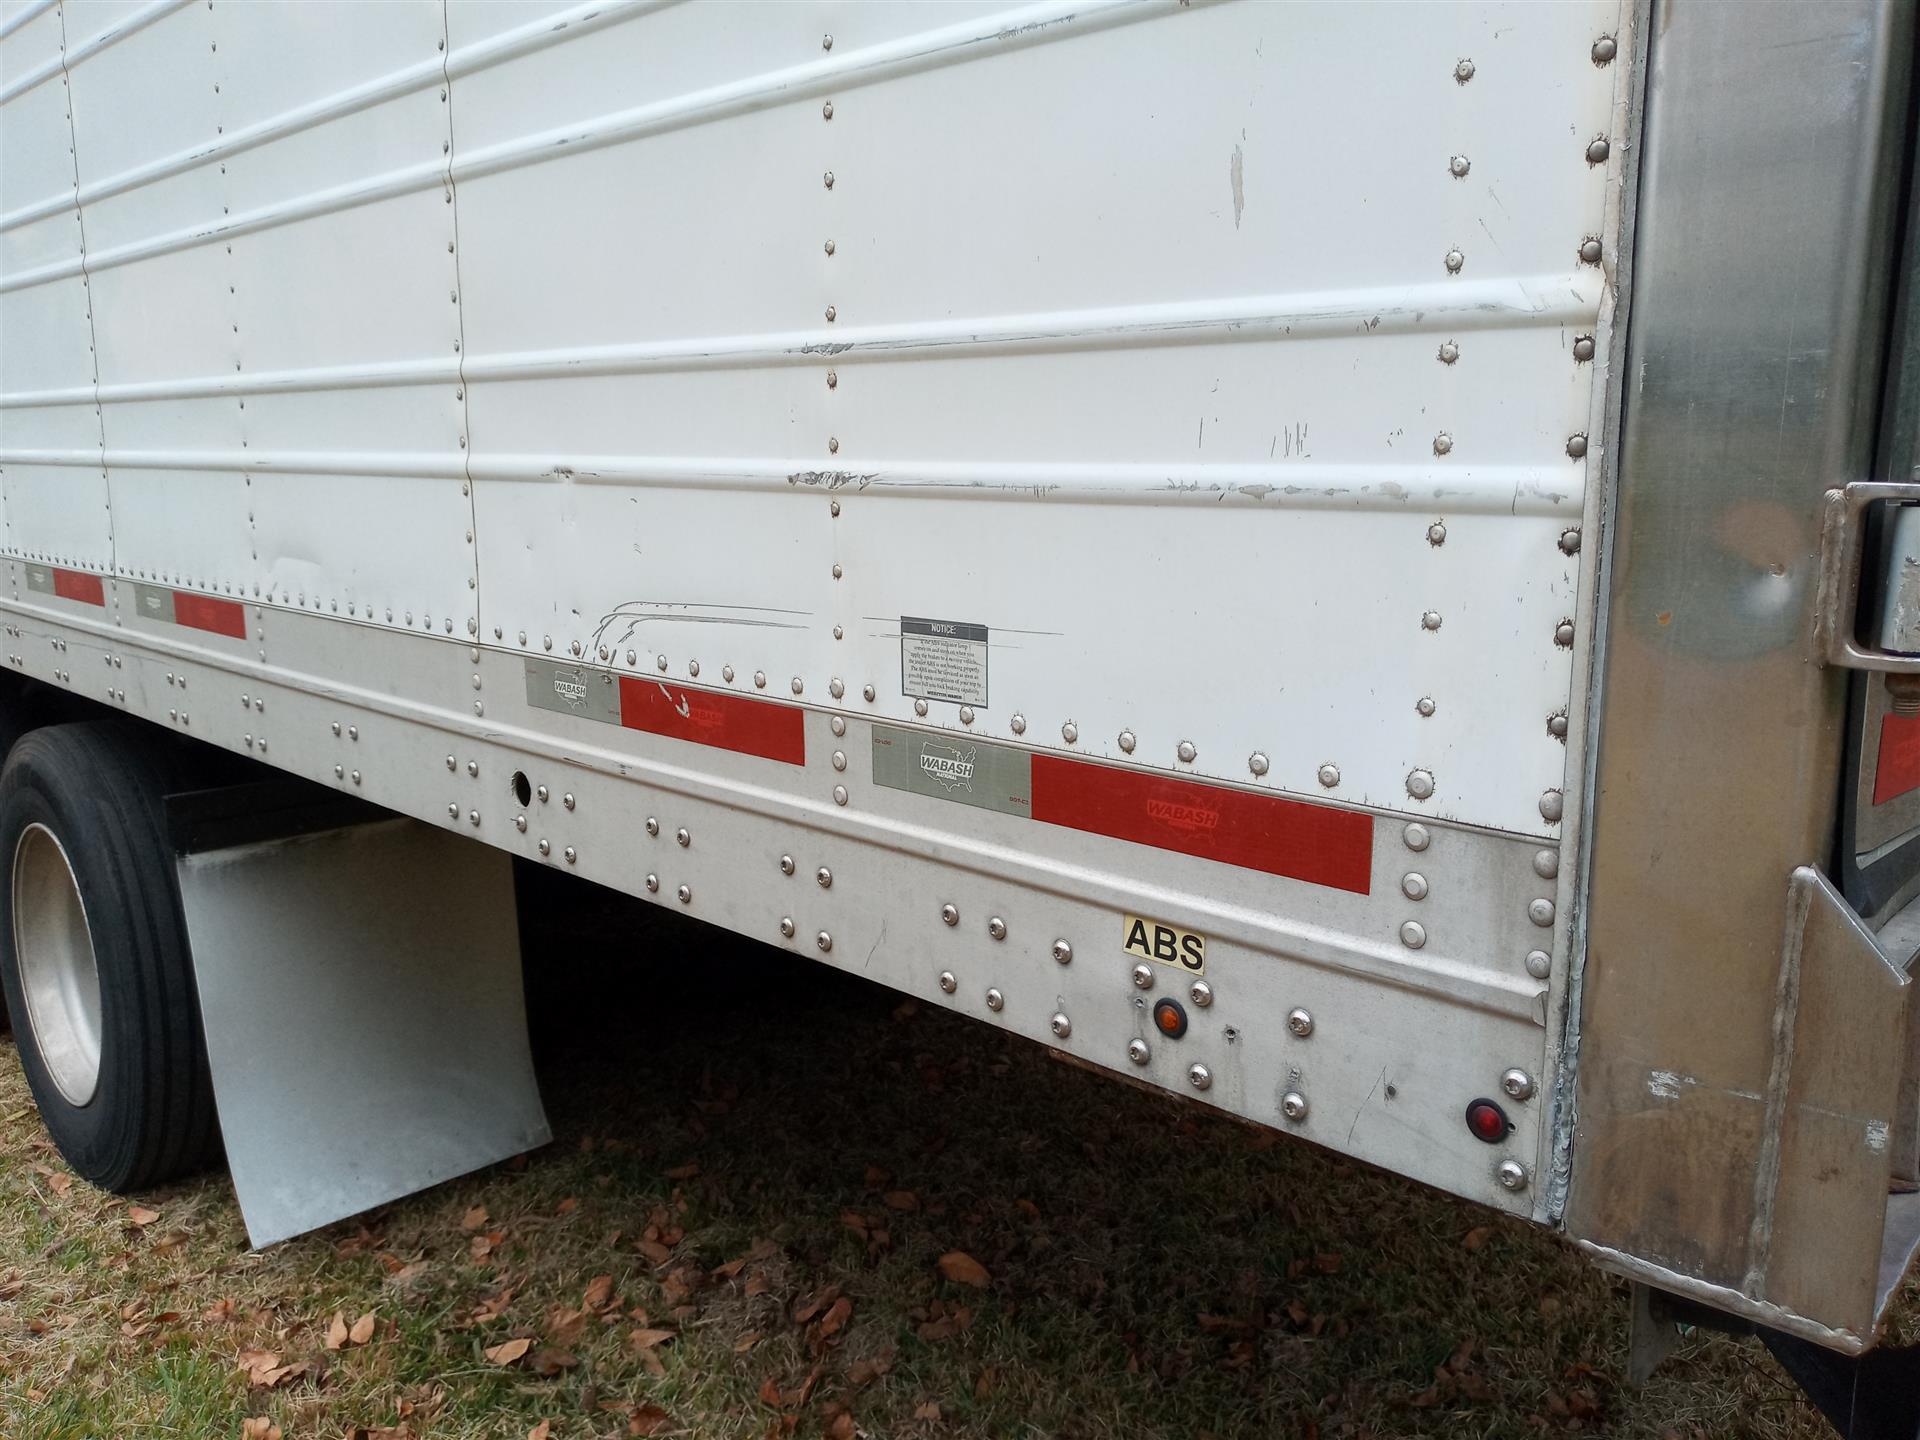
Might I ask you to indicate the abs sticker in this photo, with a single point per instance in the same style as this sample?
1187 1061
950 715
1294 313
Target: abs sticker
1151 940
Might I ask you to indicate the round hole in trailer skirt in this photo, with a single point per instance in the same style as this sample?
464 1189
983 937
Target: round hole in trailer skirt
522 787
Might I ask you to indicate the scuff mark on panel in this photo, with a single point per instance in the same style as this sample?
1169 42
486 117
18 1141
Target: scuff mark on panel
1236 173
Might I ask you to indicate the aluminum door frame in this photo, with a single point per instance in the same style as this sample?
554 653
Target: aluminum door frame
1766 217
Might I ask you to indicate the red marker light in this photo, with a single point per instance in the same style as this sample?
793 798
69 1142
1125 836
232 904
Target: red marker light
1488 1122
1170 1019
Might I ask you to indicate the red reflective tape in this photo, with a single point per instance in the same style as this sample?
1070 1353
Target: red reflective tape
205 612
78 585
1316 843
1897 768
728 722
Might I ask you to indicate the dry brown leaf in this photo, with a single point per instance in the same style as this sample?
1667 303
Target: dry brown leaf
683 1172
903 1200
836 1317
963 1269
757 1284
928 1411
549 1362
362 1330
474 1219
746 1342
646 1339
140 1215
1476 1237
841 1426
566 1206
336 1331
599 1293
59 1182
263 1368
508 1351
654 1251
541 1431
259 1427
647 1420
811 1305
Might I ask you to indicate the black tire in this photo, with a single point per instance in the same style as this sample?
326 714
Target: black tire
97 788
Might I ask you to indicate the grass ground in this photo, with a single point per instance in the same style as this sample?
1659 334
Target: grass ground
739 1230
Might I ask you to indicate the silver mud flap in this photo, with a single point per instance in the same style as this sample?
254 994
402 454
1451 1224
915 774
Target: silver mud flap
365 1021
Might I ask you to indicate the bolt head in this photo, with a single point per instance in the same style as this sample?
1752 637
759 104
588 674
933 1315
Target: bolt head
1563 634
1139 1052
1570 541
1546 863
1300 1022
1443 445
1199 1076
1551 805
1598 150
1540 911
839 758
1127 741
759 679
1518 1084
797 685
786 921
1143 977
1200 993
950 914
1590 251
1018 724
824 878
835 688
1186 751
653 881
997 928
1424 705
947 982
867 693
1455 262
920 707
1539 964
1458 167
1070 732
995 1000
1449 352
1577 446
1417 837
1061 1025
1430 620
1413 935
966 715
653 828
1463 72
1413 885
682 839
1420 784
1329 775
1604 49
1583 348
824 941
839 794
1437 532
786 864
1293 1105
1557 726
1063 952
1257 763
1512 1175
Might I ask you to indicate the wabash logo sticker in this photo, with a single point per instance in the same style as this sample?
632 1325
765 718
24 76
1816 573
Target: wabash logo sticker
1183 817
952 768
1154 940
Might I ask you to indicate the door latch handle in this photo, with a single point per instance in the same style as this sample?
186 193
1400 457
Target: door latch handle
1896 648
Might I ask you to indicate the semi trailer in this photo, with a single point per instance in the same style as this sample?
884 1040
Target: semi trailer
1352 564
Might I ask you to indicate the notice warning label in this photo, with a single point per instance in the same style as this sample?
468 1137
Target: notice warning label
943 660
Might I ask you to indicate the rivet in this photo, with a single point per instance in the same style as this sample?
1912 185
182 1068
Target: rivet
1442 445
1138 1052
1199 1076
826 110
660 662
1455 260
1590 251
1512 1175
839 759
542 792
950 914
1257 763
473 817
786 926
1420 784
867 693
355 777
546 848
833 381
759 679
1143 977
824 878
1127 741
833 445
546 641
1413 934
1069 732
829 247
1430 620
838 634
575 647
995 1000
339 771
838 572
1557 725
693 667
571 856
920 707
1539 964
1416 836
1550 805
726 671
1063 952
473 768
1546 863
1598 150
520 823
1329 775
682 838
1577 446
1200 993
1563 634
1293 1105
1463 72
1583 348
1449 352
828 178
966 714
831 313
1570 541
1518 1084
826 42
1018 724
1424 705
835 688
839 794
1300 1022
1413 885
833 507
1061 1025
1437 533
653 825
1540 911
997 928
838 724
786 864
1458 167
653 881
1604 49
453 812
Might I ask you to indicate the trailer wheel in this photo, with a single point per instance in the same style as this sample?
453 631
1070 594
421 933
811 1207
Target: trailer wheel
94 960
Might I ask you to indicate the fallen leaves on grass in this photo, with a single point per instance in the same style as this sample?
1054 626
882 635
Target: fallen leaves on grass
599 1294
541 1431
264 1370
140 1215
550 1361
647 1420
259 1427
963 1269
1476 1237
508 1352
474 1219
